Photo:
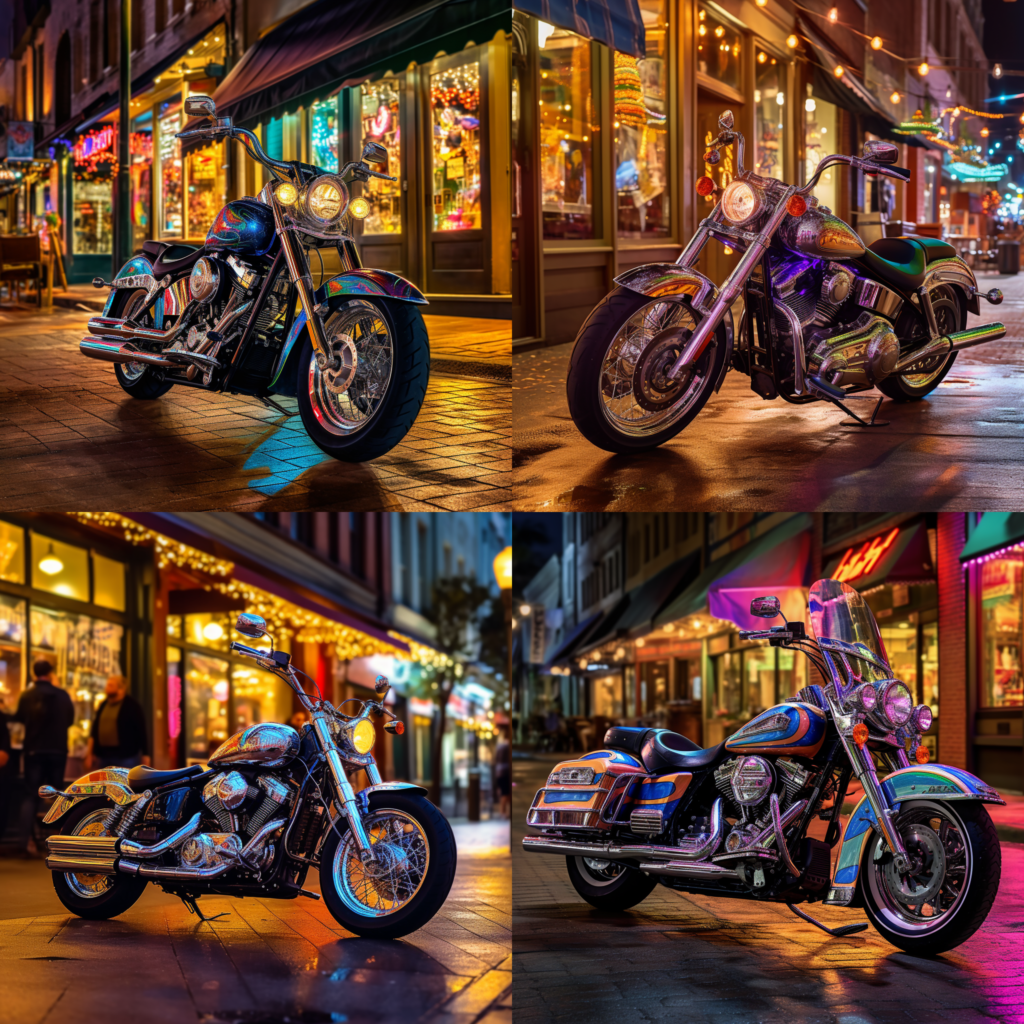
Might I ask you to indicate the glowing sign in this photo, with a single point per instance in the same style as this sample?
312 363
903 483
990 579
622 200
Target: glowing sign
860 561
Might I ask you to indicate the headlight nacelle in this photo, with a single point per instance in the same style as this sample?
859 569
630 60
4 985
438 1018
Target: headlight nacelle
740 202
359 736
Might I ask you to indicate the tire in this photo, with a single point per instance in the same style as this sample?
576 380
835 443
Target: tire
114 894
137 379
951 316
976 893
621 329
354 426
620 889
434 884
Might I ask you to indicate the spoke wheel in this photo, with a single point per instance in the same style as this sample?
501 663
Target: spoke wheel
90 886
134 306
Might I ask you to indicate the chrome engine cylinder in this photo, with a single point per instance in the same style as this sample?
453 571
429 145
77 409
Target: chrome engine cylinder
865 353
752 780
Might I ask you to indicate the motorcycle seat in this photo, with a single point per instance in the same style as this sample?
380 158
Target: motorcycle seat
664 750
171 257
626 737
902 261
143 777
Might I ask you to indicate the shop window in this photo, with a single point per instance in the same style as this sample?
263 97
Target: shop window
759 675
93 213
209 630
258 696
206 705
455 120
108 583
930 667
12 553
728 680
12 651
629 689
608 697
718 49
172 223
653 686
323 134
567 121
769 116
641 131
174 627
900 642
207 188
1001 627
792 674
274 143
60 568
175 671
379 117
142 171
820 139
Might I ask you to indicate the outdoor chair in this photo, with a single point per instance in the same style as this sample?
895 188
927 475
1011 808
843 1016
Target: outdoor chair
21 259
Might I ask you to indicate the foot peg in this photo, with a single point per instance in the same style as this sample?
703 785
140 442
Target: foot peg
838 933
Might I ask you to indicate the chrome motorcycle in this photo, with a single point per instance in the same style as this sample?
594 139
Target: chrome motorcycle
824 316
273 803
919 852
240 314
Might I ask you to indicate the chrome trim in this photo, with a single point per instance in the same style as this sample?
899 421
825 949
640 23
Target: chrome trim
647 821
938 348
702 845
780 838
874 295
134 849
951 270
270 744
115 327
669 281
799 366
684 869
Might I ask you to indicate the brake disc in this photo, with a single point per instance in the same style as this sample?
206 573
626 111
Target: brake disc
653 389
921 884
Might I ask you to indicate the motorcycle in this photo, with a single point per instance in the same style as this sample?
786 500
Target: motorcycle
824 316
223 316
273 803
919 852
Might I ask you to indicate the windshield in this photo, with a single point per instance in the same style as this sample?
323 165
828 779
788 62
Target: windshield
838 612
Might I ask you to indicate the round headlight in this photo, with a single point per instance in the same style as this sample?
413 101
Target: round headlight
205 280
739 202
362 736
286 193
865 697
895 703
359 208
326 199
922 718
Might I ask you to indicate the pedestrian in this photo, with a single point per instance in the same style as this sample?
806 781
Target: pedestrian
8 772
503 775
47 713
118 735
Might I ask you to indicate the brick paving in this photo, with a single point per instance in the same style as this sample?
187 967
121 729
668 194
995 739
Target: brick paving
269 962
717 961
70 438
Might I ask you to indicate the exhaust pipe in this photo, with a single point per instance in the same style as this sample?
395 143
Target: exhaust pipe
926 358
119 352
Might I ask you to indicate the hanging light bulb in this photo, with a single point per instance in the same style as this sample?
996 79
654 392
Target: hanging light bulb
997 71
949 92
791 41
923 68
833 14
761 3
51 564
984 133
838 71
876 43
895 97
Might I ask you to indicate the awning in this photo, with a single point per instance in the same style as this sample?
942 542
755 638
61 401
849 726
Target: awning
605 630
898 555
775 563
997 530
577 635
616 23
650 597
335 43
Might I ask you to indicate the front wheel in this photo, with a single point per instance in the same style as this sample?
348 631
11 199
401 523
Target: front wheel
620 395
364 403
412 872
607 885
952 883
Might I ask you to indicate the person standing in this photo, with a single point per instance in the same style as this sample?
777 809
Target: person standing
503 774
118 735
47 713
8 766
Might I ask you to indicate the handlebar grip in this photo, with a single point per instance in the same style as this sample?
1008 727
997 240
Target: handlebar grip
902 172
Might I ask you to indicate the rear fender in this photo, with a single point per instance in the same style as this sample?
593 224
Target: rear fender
936 782
108 782
138 273
362 283
952 270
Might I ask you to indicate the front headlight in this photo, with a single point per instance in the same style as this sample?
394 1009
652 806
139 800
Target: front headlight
895 704
922 718
361 736
864 697
739 202
325 200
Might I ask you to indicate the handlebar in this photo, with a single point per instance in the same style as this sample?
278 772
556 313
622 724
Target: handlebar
899 173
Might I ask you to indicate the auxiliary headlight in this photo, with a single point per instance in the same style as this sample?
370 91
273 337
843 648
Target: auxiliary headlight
361 736
922 718
359 208
286 193
325 199
895 704
739 202
864 697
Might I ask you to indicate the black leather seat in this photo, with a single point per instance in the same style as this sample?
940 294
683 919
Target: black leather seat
626 737
666 750
902 261
143 777
171 257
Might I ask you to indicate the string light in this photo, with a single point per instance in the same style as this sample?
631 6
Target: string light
895 97
923 68
792 41
833 14
876 42
838 71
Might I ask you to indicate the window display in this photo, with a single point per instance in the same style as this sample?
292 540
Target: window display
258 696
171 178
653 686
207 188
12 652
900 643
769 116
566 120
1001 631
455 116
142 172
608 697
641 131
108 583
93 215
930 667
60 568
820 140
718 49
379 105
759 673
323 130
12 553
206 705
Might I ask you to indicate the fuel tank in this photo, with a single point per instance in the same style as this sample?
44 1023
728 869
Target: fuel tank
794 728
822 234
269 744
244 226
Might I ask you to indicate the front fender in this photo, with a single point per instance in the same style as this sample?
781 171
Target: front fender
387 787
109 782
938 782
365 282
670 281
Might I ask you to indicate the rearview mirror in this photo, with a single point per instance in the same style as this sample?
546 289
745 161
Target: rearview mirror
251 625
381 686
726 121
200 106
766 607
374 153
879 152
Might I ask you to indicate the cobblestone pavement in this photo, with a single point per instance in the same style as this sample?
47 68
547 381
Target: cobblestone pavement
70 438
700 960
270 962
960 449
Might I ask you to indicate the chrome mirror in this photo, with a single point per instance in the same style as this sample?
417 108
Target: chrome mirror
879 152
726 121
200 106
374 153
766 607
251 625
381 686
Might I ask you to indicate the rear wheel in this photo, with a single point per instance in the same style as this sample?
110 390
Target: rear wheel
608 885
138 379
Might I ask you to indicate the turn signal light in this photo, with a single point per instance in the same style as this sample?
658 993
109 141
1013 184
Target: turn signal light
797 206
705 185
860 734
396 727
921 755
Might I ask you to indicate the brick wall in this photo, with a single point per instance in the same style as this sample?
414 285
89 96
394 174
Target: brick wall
954 725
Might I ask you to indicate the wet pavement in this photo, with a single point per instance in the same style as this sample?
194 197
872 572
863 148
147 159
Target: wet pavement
71 438
717 961
960 449
269 962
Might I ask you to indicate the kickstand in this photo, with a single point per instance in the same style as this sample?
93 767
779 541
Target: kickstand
193 908
821 389
838 933
271 404
872 422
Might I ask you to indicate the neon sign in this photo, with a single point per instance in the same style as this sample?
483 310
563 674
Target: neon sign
861 561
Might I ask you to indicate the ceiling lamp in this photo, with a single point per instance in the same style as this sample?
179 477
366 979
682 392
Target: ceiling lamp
51 564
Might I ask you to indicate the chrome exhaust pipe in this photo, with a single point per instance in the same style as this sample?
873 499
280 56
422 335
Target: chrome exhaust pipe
977 336
683 869
937 349
99 854
131 848
115 327
119 352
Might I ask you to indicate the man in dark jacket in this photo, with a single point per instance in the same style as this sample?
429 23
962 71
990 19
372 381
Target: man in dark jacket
118 735
47 713
8 769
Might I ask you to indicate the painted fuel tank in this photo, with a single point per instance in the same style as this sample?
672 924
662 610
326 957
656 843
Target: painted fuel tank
269 744
244 226
822 234
795 728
